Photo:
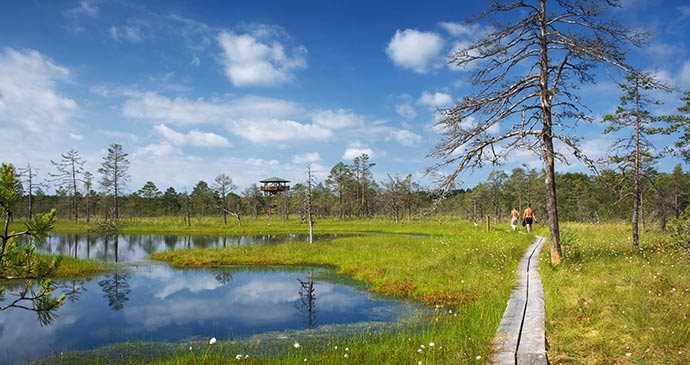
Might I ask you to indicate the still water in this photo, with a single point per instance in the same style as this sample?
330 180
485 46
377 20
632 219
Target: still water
129 248
154 302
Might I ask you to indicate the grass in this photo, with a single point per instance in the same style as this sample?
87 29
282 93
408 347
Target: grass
71 267
608 304
463 271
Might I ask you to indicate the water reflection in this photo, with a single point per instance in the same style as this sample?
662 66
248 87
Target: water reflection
128 248
157 303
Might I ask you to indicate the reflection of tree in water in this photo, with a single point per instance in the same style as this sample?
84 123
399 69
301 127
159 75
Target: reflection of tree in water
170 241
307 300
73 289
116 289
224 277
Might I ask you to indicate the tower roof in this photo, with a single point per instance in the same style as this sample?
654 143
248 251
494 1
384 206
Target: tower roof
274 180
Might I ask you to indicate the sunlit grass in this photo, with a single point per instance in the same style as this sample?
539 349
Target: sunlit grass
71 267
607 304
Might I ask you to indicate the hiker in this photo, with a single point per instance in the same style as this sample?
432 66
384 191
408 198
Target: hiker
528 218
514 218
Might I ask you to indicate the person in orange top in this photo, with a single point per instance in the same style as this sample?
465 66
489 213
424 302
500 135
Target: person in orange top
529 218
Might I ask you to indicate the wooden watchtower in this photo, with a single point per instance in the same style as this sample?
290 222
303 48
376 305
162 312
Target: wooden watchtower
274 185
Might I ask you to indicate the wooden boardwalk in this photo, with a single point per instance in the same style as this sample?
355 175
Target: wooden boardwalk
520 336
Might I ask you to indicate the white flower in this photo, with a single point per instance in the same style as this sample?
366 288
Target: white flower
478 357
238 357
628 354
347 349
431 344
296 345
419 350
212 341
346 355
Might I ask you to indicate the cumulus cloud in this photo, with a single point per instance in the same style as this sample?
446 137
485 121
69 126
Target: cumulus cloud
258 59
405 110
470 123
436 100
308 157
259 120
158 150
193 138
156 107
356 150
466 31
415 50
280 133
29 96
336 119
406 138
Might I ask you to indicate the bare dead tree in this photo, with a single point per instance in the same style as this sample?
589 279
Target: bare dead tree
526 75
223 186
30 173
70 170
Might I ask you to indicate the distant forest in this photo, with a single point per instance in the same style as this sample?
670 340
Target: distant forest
351 192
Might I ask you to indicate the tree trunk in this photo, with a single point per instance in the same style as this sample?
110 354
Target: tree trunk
547 139
637 193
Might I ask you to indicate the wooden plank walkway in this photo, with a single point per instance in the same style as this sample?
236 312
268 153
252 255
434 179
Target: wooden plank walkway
520 336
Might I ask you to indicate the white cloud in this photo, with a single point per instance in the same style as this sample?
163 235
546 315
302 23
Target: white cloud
259 120
28 92
335 119
406 111
76 137
258 162
459 30
684 11
85 8
193 138
250 60
308 157
356 150
152 106
436 100
685 74
281 133
161 149
414 49
129 33
406 138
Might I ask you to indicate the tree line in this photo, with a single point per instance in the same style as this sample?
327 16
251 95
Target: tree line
350 191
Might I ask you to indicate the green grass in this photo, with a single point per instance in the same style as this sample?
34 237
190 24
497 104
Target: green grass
463 271
71 267
607 304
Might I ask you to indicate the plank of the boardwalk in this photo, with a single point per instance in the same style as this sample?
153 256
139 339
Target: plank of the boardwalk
520 335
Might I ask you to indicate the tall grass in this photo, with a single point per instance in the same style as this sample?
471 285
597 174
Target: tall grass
608 304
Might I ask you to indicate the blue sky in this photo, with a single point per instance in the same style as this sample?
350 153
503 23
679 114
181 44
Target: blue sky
253 89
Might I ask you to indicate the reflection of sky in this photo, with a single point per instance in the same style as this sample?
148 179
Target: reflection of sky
128 248
171 305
